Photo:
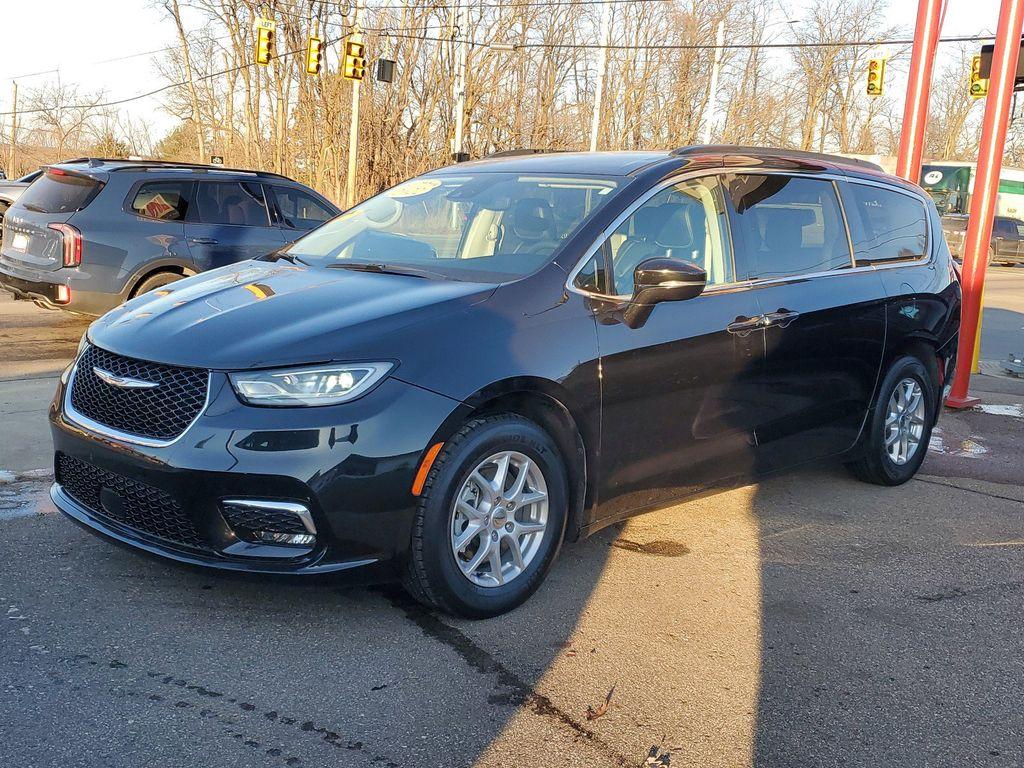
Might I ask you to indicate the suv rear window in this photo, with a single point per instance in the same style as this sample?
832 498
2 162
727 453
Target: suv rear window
58 192
895 225
164 200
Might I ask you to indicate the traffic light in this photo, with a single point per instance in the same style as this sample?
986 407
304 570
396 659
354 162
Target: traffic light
876 76
979 84
355 59
264 40
314 53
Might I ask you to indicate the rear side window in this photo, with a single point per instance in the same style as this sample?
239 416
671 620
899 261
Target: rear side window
59 193
164 200
301 210
786 225
895 225
232 202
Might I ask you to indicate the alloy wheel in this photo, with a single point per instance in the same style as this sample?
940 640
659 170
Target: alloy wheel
904 421
499 518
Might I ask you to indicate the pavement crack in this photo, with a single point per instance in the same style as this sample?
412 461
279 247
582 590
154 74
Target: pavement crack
509 687
969 490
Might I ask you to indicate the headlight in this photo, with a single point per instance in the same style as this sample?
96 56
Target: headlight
320 385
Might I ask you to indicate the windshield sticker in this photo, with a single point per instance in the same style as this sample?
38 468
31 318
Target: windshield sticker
413 188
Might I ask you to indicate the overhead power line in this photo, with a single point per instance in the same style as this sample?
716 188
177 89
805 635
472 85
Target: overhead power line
386 32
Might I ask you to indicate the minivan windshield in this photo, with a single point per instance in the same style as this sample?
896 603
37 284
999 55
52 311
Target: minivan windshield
484 226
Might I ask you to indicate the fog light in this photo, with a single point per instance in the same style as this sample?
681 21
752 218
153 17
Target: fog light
260 521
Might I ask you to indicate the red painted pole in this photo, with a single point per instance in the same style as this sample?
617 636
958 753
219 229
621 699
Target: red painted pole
986 189
919 84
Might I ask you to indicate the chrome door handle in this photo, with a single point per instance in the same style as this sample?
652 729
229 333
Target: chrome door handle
780 318
742 325
202 241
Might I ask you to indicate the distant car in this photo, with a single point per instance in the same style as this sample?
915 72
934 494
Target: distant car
10 191
90 234
1006 246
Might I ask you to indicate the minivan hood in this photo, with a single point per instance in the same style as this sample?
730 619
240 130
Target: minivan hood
263 314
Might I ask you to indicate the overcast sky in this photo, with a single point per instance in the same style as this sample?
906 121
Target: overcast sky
79 38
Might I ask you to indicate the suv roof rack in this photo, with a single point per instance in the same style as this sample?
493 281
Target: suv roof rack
524 151
738 149
144 164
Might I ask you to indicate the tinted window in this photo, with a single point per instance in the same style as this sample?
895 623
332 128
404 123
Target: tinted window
786 225
301 210
684 221
232 202
593 276
895 225
59 193
165 200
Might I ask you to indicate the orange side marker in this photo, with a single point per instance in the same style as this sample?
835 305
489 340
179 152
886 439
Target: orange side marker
424 470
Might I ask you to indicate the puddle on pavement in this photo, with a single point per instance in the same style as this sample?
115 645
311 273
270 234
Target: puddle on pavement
658 547
968 448
20 499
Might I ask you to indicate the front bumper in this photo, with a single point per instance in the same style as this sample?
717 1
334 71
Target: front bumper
351 465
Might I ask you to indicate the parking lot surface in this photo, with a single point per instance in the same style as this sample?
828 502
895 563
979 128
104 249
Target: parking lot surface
807 621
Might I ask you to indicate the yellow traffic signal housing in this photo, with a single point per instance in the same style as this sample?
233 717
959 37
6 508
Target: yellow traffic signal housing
264 44
979 84
314 54
355 60
876 77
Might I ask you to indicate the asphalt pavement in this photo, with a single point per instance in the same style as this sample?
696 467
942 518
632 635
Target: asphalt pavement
810 620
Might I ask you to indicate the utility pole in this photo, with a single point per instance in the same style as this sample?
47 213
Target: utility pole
353 130
459 86
716 68
11 156
606 33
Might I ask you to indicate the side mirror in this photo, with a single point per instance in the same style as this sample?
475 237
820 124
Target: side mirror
662 279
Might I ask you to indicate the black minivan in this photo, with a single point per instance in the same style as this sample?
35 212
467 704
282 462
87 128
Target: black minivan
445 382
89 234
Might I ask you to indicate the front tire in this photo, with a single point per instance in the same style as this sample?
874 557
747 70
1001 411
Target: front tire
490 520
900 425
159 280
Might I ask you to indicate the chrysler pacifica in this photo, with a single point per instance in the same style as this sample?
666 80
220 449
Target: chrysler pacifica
452 378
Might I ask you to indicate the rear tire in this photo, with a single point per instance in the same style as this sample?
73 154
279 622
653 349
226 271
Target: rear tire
159 280
441 572
896 436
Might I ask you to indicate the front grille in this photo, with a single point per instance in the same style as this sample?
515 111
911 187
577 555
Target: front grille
137 505
162 412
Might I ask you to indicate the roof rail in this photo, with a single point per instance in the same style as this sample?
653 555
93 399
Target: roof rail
737 149
525 151
127 164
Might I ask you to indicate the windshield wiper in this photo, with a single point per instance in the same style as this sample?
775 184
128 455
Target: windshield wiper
389 269
278 255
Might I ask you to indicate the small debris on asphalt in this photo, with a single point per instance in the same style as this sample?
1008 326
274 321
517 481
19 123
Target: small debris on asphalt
658 758
593 714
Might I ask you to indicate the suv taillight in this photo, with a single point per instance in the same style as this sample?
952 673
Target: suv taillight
72 244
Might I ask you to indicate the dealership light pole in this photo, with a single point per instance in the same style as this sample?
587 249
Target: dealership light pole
998 106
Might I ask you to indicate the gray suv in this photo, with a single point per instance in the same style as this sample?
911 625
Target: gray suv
90 234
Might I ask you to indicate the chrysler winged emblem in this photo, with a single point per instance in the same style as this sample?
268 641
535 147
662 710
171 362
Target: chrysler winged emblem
124 382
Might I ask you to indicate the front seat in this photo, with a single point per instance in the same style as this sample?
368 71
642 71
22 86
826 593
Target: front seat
530 226
648 224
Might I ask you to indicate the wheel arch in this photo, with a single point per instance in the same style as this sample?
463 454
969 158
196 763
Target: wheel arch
550 406
156 268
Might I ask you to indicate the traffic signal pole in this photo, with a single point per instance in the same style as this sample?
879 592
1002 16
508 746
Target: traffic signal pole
986 188
353 128
919 83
